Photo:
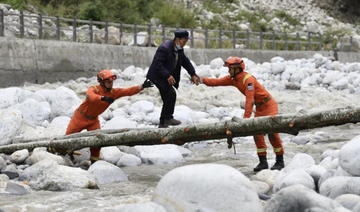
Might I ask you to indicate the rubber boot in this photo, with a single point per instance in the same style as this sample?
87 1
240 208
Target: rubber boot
279 164
262 165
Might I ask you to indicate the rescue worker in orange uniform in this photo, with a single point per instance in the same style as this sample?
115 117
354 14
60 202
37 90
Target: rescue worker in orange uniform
256 94
98 99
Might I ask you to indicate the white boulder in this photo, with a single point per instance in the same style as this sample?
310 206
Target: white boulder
206 187
298 198
336 186
159 154
350 157
19 156
11 125
107 173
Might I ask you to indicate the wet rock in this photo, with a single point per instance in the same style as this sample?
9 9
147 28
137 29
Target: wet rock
10 174
107 173
16 189
298 198
11 168
206 187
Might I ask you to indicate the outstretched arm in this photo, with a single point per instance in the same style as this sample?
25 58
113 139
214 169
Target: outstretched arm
224 81
120 92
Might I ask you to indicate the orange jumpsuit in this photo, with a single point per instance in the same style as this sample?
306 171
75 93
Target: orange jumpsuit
86 115
256 94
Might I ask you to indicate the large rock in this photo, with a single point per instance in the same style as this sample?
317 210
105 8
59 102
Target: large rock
111 154
336 186
107 173
19 156
300 161
350 157
316 172
40 154
34 112
206 187
159 154
63 101
11 96
297 176
268 176
11 125
298 198
48 175
128 160
348 201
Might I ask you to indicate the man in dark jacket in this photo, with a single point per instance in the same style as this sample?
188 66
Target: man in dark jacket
164 72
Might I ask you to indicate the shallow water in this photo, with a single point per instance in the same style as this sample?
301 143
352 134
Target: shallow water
143 179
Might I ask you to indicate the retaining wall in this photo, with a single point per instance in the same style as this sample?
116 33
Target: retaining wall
40 61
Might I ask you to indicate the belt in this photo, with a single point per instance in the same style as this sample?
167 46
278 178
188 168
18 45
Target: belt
86 116
266 99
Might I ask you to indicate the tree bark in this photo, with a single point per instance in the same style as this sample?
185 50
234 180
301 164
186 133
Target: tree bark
237 127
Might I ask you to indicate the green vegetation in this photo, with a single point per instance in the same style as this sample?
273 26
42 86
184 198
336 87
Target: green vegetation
125 11
284 16
176 16
258 21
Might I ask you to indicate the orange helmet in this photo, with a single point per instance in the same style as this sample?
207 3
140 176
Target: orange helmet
106 75
235 62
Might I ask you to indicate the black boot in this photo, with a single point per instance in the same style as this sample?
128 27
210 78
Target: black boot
279 164
262 165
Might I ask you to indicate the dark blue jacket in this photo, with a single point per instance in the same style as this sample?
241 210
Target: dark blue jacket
164 65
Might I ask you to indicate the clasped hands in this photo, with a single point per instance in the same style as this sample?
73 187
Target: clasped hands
195 79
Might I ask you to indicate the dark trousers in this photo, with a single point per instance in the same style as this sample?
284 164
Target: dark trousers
168 96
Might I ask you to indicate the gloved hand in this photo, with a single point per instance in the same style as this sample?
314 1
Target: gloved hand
147 84
107 99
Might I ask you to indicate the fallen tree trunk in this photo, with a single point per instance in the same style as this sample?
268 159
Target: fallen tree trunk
237 127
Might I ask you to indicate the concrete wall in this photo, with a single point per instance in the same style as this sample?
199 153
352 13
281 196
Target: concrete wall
40 61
